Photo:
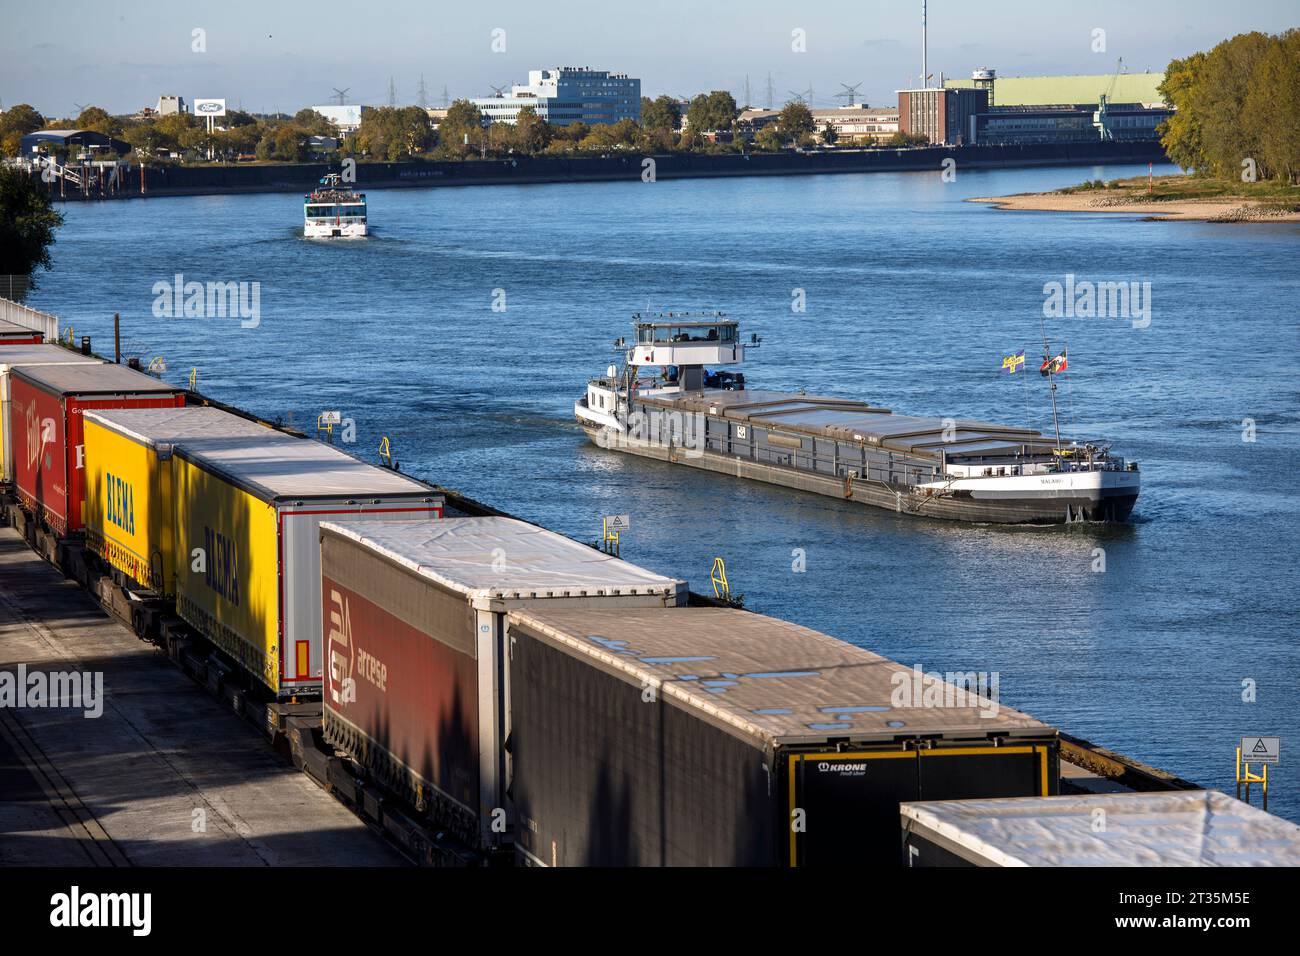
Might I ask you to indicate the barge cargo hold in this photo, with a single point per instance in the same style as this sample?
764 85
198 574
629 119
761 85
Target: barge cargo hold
12 354
45 408
130 485
419 688
933 467
719 737
252 508
1187 828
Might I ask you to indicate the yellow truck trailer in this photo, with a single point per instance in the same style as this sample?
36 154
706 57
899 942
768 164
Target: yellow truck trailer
130 502
224 514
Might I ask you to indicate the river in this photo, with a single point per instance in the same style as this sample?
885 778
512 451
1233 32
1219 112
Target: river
1184 642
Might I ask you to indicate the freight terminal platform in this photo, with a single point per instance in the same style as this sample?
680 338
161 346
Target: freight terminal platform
164 776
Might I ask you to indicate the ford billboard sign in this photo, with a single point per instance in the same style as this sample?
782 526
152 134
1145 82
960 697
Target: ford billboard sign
209 107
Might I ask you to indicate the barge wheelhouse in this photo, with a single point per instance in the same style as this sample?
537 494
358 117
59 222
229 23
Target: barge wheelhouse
675 400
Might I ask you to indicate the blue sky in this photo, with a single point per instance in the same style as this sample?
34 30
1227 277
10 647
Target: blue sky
285 54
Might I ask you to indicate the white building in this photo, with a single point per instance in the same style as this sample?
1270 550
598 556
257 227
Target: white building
345 119
167 105
567 95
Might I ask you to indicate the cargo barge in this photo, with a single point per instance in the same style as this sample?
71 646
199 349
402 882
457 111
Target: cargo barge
694 412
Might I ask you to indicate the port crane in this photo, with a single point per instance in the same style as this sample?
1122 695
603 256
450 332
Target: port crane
1101 118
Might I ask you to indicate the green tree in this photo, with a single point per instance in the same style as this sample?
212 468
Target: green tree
531 133
794 120
15 123
27 223
767 139
829 136
314 123
1272 108
661 113
1181 133
94 118
712 111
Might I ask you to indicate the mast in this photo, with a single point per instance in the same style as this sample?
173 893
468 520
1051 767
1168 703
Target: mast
1051 383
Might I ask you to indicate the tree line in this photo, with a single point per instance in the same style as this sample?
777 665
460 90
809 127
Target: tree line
396 133
1237 109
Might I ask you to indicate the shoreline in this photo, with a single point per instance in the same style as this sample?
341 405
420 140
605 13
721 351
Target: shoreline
137 183
1160 210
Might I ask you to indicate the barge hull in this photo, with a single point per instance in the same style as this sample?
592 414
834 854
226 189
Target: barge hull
1056 508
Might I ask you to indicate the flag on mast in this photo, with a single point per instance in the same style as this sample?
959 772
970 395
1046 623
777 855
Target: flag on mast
1012 363
1054 365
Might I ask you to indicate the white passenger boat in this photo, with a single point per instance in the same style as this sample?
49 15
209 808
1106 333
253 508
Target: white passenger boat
334 211
675 401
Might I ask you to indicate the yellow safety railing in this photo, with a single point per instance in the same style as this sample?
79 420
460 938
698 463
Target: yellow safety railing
1245 776
721 589
194 378
611 538
386 453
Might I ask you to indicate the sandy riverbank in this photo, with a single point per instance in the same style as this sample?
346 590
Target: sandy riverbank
1200 210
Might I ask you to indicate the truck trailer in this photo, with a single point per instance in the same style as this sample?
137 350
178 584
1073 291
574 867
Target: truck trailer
418 688
45 409
720 737
246 546
13 353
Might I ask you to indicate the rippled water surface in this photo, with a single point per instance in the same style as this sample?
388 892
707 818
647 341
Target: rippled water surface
912 297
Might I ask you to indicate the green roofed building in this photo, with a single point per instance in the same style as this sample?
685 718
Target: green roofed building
1065 90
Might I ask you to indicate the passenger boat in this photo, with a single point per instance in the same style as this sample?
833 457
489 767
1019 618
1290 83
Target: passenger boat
333 211
675 400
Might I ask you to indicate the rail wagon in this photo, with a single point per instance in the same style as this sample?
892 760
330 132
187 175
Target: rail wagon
418 680
247 551
13 353
45 420
130 498
719 737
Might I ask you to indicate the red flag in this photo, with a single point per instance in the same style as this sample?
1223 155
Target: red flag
1054 365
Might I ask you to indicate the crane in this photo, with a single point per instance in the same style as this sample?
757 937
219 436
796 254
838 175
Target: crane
1101 118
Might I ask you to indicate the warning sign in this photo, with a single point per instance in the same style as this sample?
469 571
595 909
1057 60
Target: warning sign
618 523
1261 749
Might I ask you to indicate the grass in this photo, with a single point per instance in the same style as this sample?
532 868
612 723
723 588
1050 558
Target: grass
1173 188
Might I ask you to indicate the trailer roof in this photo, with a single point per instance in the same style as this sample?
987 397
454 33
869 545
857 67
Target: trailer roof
198 428
8 329
1183 828
273 466
849 420
496 557
769 678
43 355
101 378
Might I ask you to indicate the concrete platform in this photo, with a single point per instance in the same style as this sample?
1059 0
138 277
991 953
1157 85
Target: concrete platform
164 776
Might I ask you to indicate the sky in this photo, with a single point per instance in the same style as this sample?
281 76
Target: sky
282 55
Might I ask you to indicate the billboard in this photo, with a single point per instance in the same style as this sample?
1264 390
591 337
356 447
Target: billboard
209 107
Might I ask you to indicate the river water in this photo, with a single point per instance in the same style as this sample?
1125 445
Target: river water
912 297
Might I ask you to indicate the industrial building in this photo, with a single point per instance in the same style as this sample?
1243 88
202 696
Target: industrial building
1052 90
989 110
852 124
169 105
943 115
568 95
1021 125
63 142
